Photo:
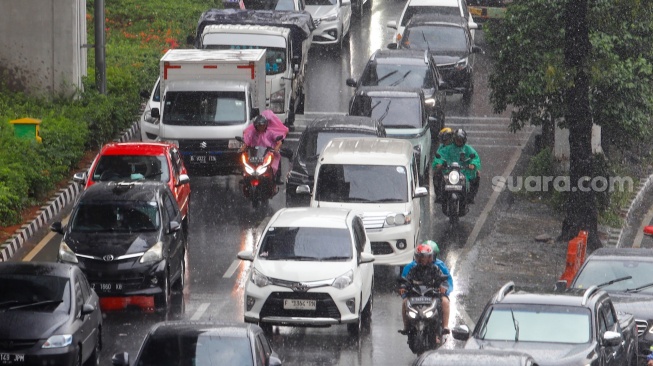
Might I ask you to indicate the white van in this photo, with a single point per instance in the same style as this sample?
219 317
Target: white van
376 177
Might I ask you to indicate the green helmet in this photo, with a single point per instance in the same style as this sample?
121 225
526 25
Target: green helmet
434 246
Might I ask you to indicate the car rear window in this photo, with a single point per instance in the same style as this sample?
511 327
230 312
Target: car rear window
35 293
306 243
349 183
196 350
131 167
412 10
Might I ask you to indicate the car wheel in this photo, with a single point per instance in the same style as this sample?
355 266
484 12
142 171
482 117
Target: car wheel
78 358
301 101
94 360
162 300
367 311
291 113
355 329
181 281
467 94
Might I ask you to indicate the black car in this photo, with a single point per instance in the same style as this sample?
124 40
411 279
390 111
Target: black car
627 275
449 41
398 68
476 357
577 327
127 238
188 343
49 315
316 135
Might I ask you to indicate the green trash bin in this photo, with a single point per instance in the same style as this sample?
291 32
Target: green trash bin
27 128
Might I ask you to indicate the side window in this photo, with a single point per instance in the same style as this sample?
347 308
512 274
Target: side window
465 9
260 353
602 326
415 172
610 316
359 234
266 345
79 299
86 291
176 162
171 208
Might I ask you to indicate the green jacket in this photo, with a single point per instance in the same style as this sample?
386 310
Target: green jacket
451 153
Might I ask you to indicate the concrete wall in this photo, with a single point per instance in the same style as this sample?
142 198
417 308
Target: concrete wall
41 45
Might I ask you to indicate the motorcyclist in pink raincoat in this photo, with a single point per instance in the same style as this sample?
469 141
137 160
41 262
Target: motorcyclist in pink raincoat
263 131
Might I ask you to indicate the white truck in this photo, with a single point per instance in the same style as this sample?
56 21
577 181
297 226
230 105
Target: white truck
207 99
287 37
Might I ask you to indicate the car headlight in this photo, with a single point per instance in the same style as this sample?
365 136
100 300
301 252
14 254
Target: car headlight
344 280
330 18
462 64
153 254
58 341
66 254
399 219
259 279
454 177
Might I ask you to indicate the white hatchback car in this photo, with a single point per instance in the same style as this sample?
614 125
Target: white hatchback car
446 7
332 19
148 124
311 267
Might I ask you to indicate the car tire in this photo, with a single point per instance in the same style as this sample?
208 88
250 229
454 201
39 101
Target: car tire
94 359
301 101
162 300
355 329
78 358
178 286
366 315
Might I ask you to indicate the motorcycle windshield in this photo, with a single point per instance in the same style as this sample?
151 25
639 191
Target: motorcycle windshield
256 154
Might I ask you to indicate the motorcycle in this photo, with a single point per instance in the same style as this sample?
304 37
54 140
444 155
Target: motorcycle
424 310
258 179
455 190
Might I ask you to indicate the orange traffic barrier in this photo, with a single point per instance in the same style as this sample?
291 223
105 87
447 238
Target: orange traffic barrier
576 250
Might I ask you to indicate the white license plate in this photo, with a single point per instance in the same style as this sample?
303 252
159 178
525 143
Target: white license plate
11 359
106 287
202 158
455 187
422 300
297 304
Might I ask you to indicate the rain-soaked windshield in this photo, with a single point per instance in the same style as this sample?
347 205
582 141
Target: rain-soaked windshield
398 75
362 183
131 167
204 108
196 350
599 271
437 39
116 216
306 243
393 112
34 293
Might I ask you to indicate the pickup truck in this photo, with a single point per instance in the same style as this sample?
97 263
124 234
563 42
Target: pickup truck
575 327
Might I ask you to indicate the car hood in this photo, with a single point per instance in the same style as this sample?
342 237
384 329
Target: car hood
637 304
321 11
406 133
363 208
116 244
302 271
24 324
448 59
545 353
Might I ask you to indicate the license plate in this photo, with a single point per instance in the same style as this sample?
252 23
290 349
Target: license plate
202 158
453 187
296 304
422 300
11 359
107 287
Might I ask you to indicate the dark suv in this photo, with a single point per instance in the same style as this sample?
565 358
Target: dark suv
577 327
127 238
398 68
316 135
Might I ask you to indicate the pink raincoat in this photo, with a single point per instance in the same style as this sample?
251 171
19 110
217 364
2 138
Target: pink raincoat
251 137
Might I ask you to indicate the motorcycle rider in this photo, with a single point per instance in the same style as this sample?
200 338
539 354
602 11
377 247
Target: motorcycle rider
264 131
445 271
461 153
445 136
425 271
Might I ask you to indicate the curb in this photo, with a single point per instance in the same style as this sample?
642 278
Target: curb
52 208
616 235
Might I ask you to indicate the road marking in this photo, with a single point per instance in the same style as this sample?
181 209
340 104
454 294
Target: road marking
200 311
44 242
640 234
232 268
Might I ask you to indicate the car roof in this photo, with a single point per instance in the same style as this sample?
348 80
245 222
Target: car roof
176 328
387 91
477 357
312 217
344 122
375 151
404 56
40 268
436 18
621 253
135 148
142 190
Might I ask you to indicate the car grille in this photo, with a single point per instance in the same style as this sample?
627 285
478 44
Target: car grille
325 308
374 220
381 248
16 345
203 145
642 326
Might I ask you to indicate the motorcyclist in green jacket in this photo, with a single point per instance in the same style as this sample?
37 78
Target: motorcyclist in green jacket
461 153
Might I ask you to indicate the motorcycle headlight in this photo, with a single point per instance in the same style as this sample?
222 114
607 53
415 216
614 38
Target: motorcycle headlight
330 18
462 64
153 254
261 169
344 280
454 177
429 313
412 313
58 341
248 168
66 254
259 279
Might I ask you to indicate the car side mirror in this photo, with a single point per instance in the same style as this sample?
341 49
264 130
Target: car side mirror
154 112
303 189
421 192
274 361
145 94
80 178
246 255
183 179
560 285
120 359
472 25
612 339
174 226
57 227
286 152
351 82
87 309
460 333
392 24
365 258
392 46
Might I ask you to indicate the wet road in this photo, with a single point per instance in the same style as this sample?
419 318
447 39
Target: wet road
222 223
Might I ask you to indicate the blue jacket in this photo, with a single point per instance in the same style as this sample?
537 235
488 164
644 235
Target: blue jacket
440 264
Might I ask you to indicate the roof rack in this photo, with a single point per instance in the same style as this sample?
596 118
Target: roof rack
589 292
504 290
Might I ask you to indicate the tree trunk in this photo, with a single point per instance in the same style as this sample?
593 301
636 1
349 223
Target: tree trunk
548 134
581 211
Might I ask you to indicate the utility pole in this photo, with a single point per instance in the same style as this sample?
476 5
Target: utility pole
100 40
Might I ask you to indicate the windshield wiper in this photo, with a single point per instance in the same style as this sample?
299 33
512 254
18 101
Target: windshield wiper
38 303
515 323
402 79
358 199
388 200
615 281
10 302
335 257
638 289
299 258
386 76
385 113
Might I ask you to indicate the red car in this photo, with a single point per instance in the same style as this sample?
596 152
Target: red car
133 161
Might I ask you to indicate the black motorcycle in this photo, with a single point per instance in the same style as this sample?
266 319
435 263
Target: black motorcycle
424 311
455 189
258 179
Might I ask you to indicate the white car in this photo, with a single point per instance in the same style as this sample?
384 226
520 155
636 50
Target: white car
149 125
332 19
446 7
311 267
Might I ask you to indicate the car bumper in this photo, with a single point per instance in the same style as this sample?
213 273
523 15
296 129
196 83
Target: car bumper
327 33
113 279
40 356
385 245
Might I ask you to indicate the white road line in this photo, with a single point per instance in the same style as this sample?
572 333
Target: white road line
232 268
200 311
640 234
44 242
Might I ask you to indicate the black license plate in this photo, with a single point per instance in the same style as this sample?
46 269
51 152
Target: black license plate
12 359
106 287
202 158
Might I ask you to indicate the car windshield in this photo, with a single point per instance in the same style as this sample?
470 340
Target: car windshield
195 350
315 142
116 216
412 10
34 293
269 4
599 271
306 243
392 112
204 108
321 2
362 183
399 75
131 167
537 323
438 39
